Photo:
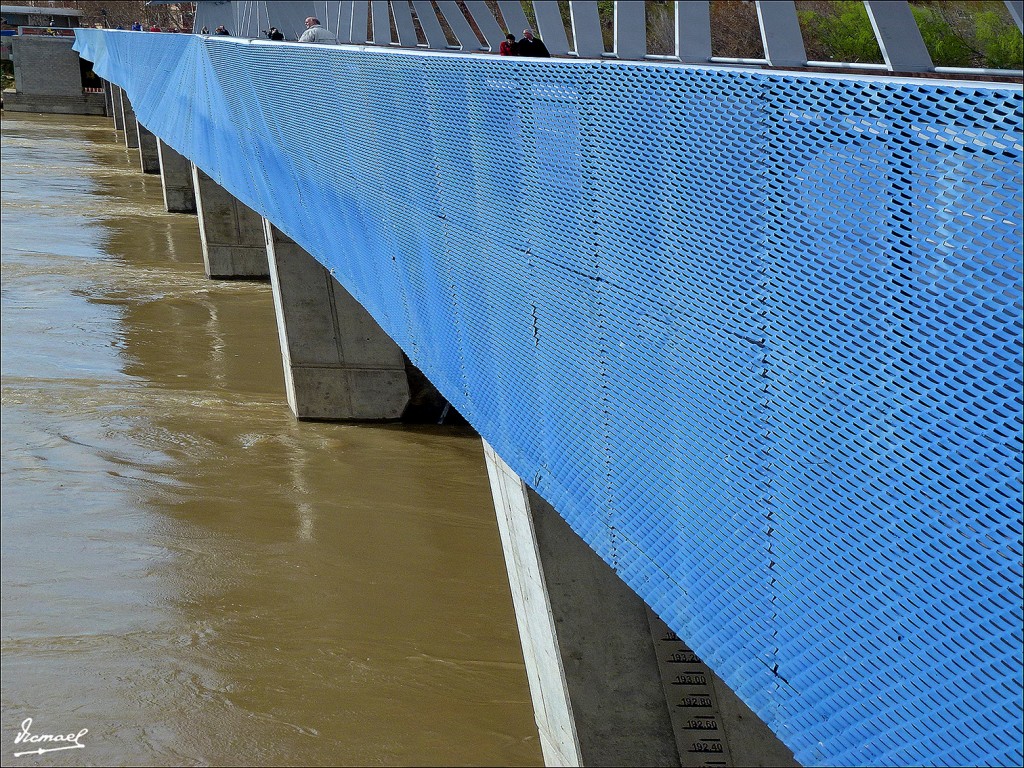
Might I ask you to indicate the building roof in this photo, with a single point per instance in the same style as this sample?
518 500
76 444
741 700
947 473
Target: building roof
39 10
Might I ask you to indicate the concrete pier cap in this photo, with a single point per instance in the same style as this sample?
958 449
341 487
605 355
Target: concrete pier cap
175 179
338 362
117 104
231 232
131 123
149 154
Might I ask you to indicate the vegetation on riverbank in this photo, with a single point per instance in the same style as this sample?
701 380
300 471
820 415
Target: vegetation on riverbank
6 75
957 34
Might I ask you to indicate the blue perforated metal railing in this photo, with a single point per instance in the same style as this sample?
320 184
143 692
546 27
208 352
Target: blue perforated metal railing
755 335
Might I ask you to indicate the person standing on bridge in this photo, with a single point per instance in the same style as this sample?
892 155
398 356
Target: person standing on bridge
532 46
317 34
221 30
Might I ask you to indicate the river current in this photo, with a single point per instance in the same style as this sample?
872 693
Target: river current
188 572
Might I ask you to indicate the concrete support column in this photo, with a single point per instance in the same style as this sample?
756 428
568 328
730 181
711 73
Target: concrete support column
149 155
131 125
611 684
176 180
118 106
234 244
108 100
338 363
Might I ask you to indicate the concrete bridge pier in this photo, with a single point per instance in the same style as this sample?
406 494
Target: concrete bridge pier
116 94
338 363
234 244
108 99
149 155
175 179
131 123
611 684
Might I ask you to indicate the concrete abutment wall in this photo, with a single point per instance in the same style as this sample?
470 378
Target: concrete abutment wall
48 78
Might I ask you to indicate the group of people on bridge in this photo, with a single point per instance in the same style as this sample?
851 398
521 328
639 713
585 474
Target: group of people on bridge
529 45
315 32
139 27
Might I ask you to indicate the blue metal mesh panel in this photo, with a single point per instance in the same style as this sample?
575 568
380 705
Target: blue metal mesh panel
757 337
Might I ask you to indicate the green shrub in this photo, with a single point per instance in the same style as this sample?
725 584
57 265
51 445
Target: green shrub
946 47
1001 43
6 75
955 34
846 34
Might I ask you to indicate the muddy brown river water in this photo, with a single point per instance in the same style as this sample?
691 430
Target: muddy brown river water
189 573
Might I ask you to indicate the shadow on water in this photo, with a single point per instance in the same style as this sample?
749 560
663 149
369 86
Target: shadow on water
190 573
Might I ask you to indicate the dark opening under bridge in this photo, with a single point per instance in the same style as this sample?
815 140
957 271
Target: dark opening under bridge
754 334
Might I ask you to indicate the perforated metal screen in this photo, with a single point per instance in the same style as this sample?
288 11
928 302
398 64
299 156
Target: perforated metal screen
756 336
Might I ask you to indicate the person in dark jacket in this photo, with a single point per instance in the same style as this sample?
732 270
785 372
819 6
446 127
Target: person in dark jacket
221 30
509 46
275 34
532 46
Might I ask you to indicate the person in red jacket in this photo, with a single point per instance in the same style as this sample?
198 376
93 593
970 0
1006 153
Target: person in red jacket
508 46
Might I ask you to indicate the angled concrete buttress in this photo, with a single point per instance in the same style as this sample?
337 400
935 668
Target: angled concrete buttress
108 99
115 96
131 124
611 684
175 179
338 363
232 233
149 155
